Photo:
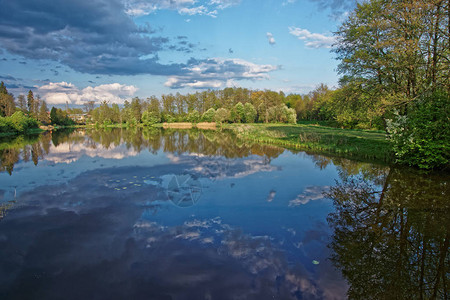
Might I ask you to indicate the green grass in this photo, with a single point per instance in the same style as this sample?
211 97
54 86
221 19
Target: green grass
352 143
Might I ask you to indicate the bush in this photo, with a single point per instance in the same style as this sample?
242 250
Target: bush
222 115
208 116
18 123
193 116
150 118
422 137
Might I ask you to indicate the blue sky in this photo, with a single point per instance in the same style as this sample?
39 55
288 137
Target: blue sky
113 50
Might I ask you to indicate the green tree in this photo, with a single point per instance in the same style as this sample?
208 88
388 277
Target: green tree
22 103
193 116
208 116
136 109
150 117
422 137
238 113
7 105
43 116
30 102
249 113
222 115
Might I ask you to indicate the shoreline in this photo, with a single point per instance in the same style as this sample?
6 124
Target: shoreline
348 143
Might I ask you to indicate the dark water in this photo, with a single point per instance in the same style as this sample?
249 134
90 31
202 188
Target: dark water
200 215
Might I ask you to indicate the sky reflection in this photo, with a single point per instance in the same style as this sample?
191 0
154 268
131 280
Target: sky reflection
88 225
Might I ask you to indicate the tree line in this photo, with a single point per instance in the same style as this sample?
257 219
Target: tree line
24 113
233 105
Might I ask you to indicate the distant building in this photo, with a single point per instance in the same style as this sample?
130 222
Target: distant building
78 118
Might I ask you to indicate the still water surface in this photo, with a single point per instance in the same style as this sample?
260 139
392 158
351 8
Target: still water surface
116 214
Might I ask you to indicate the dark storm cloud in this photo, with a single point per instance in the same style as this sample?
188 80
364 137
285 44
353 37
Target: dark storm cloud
90 36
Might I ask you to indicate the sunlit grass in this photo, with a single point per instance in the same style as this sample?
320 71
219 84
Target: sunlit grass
362 144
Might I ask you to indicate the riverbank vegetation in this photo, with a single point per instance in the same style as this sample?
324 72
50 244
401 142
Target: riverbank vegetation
358 144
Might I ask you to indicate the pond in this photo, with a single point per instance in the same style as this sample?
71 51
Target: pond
166 214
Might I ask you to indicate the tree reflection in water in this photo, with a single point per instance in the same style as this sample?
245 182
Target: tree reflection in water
210 143
391 239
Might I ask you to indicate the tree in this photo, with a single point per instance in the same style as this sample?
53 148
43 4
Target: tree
249 113
3 89
43 116
7 105
396 50
150 117
30 102
422 137
89 106
59 117
208 116
237 113
22 103
222 115
193 116
136 109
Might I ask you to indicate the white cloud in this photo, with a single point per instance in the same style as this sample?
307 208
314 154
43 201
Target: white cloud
311 193
199 10
183 7
69 152
62 92
270 38
312 40
222 4
217 72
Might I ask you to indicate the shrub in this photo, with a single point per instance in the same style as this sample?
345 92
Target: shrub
193 116
208 116
150 117
422 137
222 115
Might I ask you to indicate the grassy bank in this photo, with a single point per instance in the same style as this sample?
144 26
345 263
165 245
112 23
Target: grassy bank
358 144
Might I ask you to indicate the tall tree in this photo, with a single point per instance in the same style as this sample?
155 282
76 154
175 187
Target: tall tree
22 103
30 102
395 50
7 105
43 116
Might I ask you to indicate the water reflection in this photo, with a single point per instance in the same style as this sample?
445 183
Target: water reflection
163 214
68 146
391 235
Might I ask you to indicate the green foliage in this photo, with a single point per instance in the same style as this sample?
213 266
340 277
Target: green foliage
59 117
291 116
208 116
7 105
193 116
222 115
18 123
249 113
43 114
237 114
132 122
358 144
150 118
422 137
